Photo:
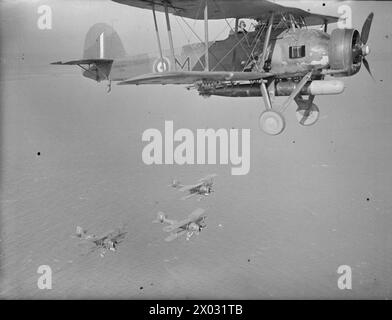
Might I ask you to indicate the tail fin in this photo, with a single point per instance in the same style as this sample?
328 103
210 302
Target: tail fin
175 184
80 232
102 42
161 217
101 46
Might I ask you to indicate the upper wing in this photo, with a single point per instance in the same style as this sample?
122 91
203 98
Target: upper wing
112 234
119 237
190 77
104 236
209 177
196 214
189 187
177 225
193 217
222 9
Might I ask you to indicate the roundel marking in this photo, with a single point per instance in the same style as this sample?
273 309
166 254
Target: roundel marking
161 65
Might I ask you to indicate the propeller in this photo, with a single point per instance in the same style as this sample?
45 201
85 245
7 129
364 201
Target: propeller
366 28
366 64
361 49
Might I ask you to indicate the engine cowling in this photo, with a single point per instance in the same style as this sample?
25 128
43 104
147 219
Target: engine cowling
343 51
193 227
204 189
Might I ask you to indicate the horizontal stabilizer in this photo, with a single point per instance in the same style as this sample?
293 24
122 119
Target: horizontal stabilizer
190 77
96 69
83 62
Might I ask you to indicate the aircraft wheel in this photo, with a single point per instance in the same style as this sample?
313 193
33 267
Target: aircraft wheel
272 122
308 116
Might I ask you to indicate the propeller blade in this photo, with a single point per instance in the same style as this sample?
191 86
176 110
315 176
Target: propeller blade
366 28
367 66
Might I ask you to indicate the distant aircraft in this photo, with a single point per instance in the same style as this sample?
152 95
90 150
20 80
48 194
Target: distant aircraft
106 241
202 188
191 225
280 56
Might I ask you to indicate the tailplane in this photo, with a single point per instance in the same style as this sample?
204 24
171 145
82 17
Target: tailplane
101 46
161 217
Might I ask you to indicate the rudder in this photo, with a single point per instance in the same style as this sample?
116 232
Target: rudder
102 42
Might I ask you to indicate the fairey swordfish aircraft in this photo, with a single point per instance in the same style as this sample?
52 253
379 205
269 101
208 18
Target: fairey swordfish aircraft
283 55
106 241
203 187
191 225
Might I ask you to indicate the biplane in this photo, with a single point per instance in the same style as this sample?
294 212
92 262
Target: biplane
106 241
282 55
193 224
203 187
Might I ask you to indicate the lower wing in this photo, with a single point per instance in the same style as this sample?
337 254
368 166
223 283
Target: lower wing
189 196
191 77
175 235
171 227
189 187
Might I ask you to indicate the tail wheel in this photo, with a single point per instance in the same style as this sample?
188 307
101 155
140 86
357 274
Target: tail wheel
272 122
308 116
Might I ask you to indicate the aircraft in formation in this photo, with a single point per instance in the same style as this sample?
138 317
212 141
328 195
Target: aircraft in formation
281 55
106 241
203 187
193 224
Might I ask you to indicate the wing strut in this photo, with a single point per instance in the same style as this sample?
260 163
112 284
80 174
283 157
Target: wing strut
170 36
263 87
235 51
157 33
207 64
267 41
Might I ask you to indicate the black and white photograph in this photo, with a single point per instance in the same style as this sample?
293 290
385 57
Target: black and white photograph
195 150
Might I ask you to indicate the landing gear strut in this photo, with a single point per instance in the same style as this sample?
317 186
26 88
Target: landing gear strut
307 113
271 120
